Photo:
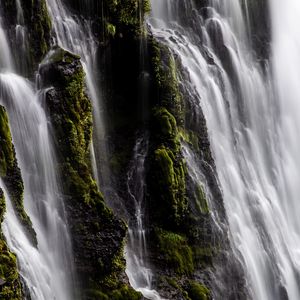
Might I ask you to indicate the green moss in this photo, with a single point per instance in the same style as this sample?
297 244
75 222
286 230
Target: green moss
123 293
198 291
164 69
180 217
166 128
60 55
11 288
11 174
97 233
167 167
176 251
110 287
169 170
190 137
125 16
6 146
201 201
173 282
110 29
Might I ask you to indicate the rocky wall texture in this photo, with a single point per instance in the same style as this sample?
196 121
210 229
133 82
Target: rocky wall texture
10 284
98 235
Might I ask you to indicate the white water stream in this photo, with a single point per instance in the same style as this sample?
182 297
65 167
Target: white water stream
253 128
253 119
75 34
137 269
47 270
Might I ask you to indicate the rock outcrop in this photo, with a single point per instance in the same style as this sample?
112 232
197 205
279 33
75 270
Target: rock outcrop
98 235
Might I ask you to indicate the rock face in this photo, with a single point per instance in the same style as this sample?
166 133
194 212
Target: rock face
185 248
11 174
259 17
98 235
10 285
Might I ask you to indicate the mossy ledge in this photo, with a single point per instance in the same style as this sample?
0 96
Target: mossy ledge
186 246
10 284
179 238
11 174
114 19
98 235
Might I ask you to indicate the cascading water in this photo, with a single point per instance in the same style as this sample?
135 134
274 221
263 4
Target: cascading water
137 270
47 270
253 131
75 35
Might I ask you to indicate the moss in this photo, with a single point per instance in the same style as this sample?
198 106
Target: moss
181 232
172 282
201 201
110 29
125 15
198 291
10 287
203 255
164 69
11 174
58 55
176 251
190 137
166 128
39 25
98 235
166 160
6 146
123 293
168 169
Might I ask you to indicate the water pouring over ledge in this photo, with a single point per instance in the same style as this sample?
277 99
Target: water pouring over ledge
75 35
46 270
252 134
42 197
137 268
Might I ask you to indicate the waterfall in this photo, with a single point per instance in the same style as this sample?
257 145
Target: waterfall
138 271
5 57
47 269
75 35
253 124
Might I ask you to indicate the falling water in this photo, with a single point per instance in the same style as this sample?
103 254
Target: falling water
5 57
75 35
47 270
138 271
253 129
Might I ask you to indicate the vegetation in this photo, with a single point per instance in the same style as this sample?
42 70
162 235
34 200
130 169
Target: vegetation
98 235
11 174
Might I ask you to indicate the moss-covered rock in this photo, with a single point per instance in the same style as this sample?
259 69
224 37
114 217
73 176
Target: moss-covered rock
118 18
11 174
177 253
180 238
10 285
6 151
167 170
165 75
98 235
198 291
